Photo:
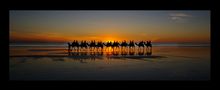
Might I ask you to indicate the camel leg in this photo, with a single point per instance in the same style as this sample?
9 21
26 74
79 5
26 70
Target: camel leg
151 49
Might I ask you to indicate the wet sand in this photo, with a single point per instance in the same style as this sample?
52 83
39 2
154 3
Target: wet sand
163 63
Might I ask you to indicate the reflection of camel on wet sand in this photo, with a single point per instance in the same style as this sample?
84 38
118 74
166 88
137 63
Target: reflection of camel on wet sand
140 52
93 55
114 45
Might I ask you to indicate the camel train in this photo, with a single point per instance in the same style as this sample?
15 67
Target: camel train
75 45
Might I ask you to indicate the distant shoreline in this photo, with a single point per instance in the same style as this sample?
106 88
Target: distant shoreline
153 44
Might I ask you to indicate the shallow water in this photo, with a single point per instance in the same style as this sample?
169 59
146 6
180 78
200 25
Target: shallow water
162 63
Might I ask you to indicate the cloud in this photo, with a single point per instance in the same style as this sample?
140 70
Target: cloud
179 17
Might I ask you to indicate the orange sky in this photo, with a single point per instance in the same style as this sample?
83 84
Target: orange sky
64 26
14 36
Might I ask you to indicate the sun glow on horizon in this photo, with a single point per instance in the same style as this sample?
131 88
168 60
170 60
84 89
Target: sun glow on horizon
109 26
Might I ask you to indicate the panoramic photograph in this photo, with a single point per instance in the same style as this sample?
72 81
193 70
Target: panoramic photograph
109 45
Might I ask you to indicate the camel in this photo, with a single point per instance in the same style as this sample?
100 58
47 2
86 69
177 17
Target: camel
75 44
148 45
140 44
109 44
112 45
69 46
124 44
100 45
83 45
92 45
131 44
115 44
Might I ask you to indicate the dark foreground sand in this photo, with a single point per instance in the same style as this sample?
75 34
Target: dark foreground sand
165 63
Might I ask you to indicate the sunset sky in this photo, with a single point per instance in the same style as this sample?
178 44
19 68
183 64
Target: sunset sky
109 25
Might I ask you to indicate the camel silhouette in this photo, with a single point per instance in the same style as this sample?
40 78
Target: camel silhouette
148 45
108 44
124 44
83 45
69 46
114 45
75 45
131 44
140 44
100 45
92 45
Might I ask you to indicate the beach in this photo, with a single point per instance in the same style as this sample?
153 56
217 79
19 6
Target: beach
110 45
162 63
